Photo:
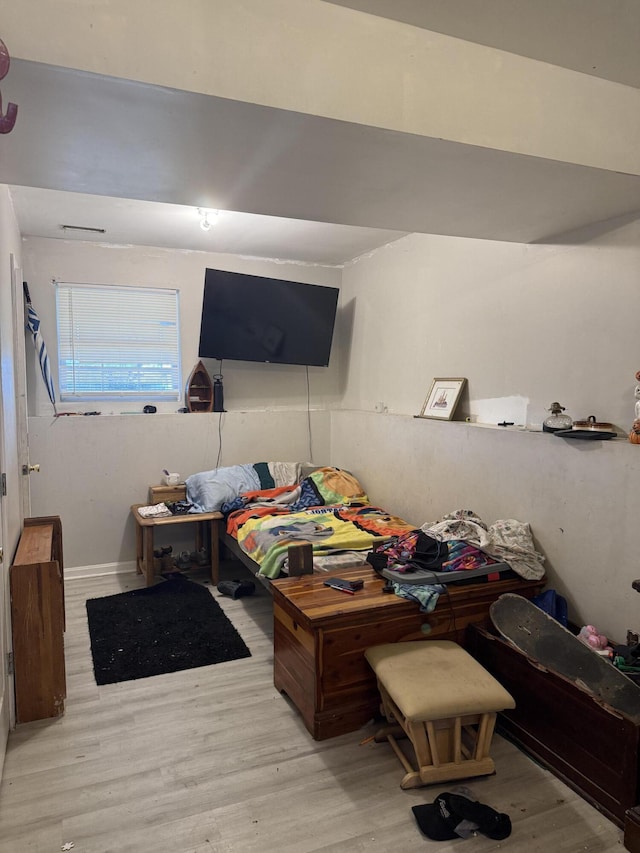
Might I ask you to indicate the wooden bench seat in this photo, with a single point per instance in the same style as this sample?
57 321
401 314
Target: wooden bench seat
439 697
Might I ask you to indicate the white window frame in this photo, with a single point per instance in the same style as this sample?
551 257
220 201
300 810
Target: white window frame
117 342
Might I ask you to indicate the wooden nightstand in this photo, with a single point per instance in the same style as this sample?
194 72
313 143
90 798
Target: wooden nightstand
145 529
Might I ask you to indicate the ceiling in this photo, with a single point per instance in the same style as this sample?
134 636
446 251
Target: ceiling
138 160
596 37
42 213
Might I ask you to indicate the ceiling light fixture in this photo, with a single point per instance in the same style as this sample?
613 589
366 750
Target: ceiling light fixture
205 222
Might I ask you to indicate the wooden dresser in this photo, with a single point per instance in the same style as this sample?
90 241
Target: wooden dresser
320 635
38 621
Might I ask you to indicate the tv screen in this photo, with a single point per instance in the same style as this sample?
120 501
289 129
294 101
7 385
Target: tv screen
253 318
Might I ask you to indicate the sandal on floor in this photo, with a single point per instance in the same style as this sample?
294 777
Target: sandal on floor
183 561
236 589
200 558
164 551
167 563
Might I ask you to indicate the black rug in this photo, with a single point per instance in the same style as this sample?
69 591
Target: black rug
171 626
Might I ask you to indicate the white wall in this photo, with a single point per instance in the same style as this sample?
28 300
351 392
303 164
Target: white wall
93 468
246 386
541 323
537 322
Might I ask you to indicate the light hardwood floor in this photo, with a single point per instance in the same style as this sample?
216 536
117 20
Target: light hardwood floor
215 759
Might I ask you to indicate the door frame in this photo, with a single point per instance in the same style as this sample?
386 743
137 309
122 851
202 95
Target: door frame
20 380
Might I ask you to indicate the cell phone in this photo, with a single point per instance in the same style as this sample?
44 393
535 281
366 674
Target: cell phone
344 585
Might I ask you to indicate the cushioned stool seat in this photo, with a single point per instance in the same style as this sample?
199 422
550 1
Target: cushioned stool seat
438 696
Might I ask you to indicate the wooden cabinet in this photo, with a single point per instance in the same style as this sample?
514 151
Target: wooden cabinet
38 621
320 635
593 748
632 830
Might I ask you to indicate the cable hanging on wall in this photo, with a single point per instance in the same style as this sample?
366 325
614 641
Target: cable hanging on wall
309 415
218 406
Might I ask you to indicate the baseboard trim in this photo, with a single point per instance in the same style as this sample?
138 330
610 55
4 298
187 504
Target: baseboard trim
99 570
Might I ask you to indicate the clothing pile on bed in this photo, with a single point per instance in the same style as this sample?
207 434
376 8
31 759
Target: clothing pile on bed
472 543
506 540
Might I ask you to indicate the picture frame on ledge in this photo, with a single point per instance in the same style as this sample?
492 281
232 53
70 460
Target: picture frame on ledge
442 399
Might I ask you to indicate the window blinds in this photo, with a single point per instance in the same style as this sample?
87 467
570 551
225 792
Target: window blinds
118 342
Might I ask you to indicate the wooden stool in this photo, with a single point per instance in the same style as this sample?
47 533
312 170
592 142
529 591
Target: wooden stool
438 696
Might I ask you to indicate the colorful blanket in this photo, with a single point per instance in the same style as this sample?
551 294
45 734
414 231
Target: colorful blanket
329 510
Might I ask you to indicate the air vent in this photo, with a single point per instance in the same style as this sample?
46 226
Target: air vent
83 228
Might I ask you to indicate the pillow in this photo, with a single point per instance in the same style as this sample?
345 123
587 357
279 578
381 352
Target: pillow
336 486
208 490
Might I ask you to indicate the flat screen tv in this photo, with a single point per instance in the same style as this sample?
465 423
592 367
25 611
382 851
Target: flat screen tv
253 318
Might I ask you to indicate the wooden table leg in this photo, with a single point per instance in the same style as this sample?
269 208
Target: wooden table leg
632 829
139 549
214 550
147 560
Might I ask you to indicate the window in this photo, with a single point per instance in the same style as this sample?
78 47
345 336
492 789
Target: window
117 342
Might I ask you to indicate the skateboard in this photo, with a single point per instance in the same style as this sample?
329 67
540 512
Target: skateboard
551 646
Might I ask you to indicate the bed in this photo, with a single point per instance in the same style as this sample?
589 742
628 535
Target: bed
291 519
299 518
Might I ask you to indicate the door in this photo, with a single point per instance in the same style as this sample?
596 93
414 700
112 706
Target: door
10 496
6 684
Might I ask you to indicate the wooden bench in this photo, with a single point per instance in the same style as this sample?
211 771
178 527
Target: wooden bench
38 620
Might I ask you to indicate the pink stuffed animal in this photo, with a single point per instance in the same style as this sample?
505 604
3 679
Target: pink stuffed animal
590 636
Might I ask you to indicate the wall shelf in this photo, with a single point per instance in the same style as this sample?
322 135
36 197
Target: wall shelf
199 393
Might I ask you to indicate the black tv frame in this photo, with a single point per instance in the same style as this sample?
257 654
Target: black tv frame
266 320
